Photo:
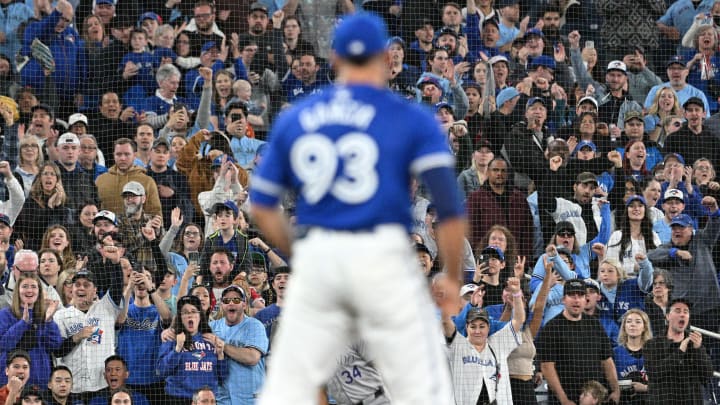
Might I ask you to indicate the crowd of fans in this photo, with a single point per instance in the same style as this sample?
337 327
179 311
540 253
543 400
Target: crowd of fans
585 135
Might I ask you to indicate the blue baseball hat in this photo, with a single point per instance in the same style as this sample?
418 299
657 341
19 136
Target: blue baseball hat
149 16
4 219
583 144
227 205
396 40
533 31
635 197
360 36
428 80
439 106
675 156
534 100
495 252
542 60
208 46
506 95
110 2
683 220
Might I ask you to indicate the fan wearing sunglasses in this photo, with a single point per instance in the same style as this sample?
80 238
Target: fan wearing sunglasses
246 346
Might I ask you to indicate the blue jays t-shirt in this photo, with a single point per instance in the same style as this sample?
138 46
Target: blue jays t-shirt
350 153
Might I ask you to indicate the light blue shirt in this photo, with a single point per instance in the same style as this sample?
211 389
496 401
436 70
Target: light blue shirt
244 150
507 35
243 382
682 95
682 13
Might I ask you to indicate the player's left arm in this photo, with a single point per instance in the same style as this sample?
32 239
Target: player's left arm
248 356
608 366
273 225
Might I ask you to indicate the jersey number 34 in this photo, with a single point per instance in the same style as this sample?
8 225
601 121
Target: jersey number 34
315 160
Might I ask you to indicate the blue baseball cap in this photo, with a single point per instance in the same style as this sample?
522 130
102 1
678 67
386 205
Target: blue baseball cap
534 100
506 95
428 80
533 31
495 252
635 197
675 156
227 205
149 16
217 162
542 60
396 40
360 36
97 2
439 106
5 219
208 46
683 220
675 60
583 144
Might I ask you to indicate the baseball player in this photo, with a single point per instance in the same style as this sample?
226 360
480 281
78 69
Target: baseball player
350 153
356 381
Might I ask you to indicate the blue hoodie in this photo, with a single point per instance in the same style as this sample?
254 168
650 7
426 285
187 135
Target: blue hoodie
187 371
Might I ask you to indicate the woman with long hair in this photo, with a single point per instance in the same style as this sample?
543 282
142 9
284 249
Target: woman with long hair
628 355
222 94
96 50
50 267
191 361
181 242
652 191
81 232
634 236
703 63
292 39
28 324
57 238
29 161
666 104
44 207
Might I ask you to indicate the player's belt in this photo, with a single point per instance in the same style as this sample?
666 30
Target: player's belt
301 231
376 395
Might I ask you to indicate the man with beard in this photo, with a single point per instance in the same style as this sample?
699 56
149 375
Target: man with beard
79 184
172 186
309 82
270 46
509 18
613 99
202 27
677 363
245 345
111 123
640 78
122 172
424 36
220 266
131 223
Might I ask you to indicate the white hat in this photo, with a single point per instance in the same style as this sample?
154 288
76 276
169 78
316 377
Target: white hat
617 65
590 99
133 187
77 117
498 58
673 193
68 138
468 288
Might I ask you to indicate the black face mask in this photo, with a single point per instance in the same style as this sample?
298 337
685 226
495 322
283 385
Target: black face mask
716 19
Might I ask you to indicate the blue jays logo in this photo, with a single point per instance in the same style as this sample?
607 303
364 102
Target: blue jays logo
199 354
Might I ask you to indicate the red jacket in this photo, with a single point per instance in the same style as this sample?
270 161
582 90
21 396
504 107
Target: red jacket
484 211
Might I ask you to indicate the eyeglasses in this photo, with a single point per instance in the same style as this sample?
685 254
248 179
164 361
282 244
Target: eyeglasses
566 234
191 233
188 313
234 300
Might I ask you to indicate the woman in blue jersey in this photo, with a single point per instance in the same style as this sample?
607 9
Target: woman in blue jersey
628 356
190 361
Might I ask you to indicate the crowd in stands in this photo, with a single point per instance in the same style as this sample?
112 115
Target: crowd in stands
585 135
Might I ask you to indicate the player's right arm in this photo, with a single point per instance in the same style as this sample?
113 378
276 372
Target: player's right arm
553 380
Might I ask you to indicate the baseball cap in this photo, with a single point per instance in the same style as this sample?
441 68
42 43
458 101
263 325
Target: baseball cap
675 156
68 138
491 22
565 226
590 283
227 205
635 197
683 220
258 260
468 288
257 6
428 80
104 2
281 270
495 252
439 106
589 99
421 248
396 40
534 100
161 142
208 46
105 214
15 354
87 274
5 219
446 31
694 100
533 31
617 65
542 60
149 16
506 95
79 117
675 60
586 144
217 162
475 314
630 115
574 286
45 108
189 299
673 193
360 36
233 287
498 58
133 187
586 177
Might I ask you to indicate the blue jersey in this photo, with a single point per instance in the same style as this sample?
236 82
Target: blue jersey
629 364
139 343
350 153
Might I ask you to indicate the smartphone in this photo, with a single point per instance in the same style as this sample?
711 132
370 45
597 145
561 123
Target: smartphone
590 44
556 46
194 257
483 259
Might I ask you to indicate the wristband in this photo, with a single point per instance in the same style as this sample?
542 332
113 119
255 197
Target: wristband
266 251
153 291
517 295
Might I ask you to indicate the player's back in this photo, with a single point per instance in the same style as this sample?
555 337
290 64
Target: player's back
349 153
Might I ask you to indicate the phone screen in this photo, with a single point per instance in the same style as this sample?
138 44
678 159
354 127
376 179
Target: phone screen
194 257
